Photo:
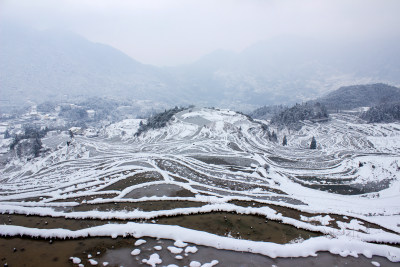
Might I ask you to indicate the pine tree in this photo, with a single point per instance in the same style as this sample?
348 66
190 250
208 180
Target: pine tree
284 142
7 134
36 146
274 137
313 144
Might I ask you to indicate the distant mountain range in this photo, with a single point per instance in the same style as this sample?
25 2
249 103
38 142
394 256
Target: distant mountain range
54 65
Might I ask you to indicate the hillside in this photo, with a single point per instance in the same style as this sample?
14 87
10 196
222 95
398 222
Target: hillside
355 96
293 116
55 65
266 112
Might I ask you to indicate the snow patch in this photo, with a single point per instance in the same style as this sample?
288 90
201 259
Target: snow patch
195 264
180 244
75 260
135 252
191 249
140 242
153 260
174 250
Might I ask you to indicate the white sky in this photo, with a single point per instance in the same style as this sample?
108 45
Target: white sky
171 32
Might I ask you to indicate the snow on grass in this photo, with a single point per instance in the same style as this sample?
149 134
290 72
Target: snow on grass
323 220
353 225
124 129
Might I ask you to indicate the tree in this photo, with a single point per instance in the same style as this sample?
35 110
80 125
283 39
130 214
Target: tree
313 144
158 120
36 146
273 137
284 142
291 117
7 134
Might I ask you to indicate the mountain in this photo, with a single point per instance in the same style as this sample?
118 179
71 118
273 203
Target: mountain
58 65
355 96
290 69
38 65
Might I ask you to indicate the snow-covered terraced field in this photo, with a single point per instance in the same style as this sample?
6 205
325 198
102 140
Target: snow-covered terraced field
212 178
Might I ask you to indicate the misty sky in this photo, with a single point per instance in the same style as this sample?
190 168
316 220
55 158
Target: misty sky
171 32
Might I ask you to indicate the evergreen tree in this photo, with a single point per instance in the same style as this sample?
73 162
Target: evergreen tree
284 142
36 146
313 144
274 137
7 134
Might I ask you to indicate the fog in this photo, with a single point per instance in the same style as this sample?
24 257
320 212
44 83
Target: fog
173 32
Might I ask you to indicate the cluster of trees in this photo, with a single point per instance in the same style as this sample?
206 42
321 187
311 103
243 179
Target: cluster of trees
271 136
105 109
29 143
246 115
350 97
383 113
77 115
73 113
291 117
267 112
158 120
47 107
